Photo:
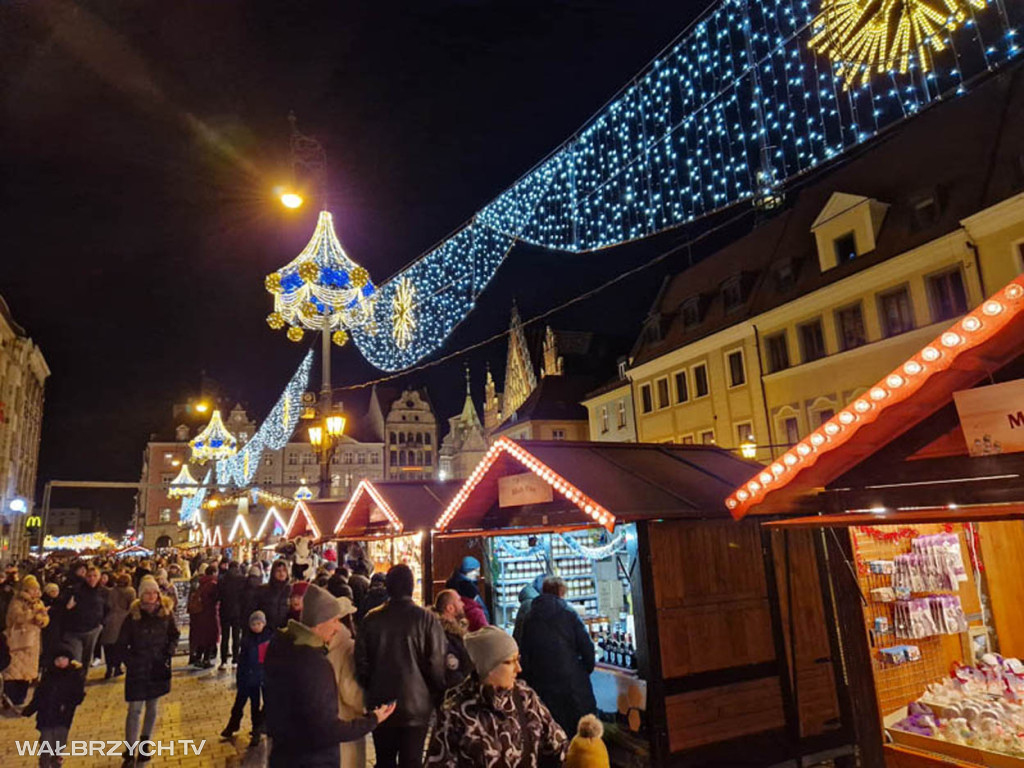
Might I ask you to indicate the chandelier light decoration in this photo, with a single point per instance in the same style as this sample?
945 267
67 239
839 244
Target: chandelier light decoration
866 38
750 97
183 485
215 442
321 289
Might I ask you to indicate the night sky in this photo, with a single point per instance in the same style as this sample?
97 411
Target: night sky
140 142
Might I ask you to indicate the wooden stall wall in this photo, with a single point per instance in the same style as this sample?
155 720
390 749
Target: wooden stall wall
446 555
805 632
717 650
1002 550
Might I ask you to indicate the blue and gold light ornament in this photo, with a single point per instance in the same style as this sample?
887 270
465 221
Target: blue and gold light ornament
214 443
321 289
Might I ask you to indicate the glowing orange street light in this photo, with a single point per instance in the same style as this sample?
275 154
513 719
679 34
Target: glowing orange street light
291 200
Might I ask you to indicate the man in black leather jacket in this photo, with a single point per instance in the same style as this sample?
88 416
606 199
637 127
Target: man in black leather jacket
400 656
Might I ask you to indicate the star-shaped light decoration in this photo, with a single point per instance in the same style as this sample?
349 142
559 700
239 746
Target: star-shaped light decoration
403 315
214 442
183 485
867 37
321 289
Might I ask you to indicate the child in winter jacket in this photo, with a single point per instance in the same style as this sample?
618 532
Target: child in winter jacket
587 750
250 677
58 695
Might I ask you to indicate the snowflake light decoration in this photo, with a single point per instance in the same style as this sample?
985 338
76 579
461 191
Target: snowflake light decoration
866 37
403 316
214 442
321 289
183 485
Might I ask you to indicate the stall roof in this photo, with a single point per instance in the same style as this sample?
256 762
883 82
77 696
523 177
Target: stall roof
313 518
266 527
393 507
982 341
607 482
244 526
975 514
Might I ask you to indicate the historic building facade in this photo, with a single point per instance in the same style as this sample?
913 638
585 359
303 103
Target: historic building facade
23 374
466 442
763 341
410 431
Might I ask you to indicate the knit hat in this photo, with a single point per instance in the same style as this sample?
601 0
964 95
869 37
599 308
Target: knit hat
256 570
469 563
148 584
488 647
257 616
51 589
299 589
400 581
587 750
347 609
318 606
29 582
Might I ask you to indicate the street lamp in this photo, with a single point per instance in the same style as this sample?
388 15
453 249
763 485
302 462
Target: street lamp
291 200
325 438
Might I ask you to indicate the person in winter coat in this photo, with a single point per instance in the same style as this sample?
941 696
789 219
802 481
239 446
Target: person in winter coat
527 595
204 630
272 597
463 581
232 584
360 585
83 617
55 700
587 750
166 588
298 591
457 664
400 657
250 589
351 701
249 677
558 655
337 583
376 595
149 637
302 695
26 617
493 719
51 632
119 600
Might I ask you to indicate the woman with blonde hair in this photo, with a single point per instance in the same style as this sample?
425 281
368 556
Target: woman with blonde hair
26 618
341 654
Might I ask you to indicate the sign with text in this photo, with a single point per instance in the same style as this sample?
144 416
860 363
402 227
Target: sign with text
526 488
992 418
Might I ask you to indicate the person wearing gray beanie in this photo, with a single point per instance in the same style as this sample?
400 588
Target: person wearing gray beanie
318 607
489 647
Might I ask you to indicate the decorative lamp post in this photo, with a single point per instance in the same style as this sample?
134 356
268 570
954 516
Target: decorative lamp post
214 442
325 438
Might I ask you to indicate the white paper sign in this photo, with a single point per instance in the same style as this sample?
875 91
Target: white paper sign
992 418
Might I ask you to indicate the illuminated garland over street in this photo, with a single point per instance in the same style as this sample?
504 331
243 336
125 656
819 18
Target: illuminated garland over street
191 505
753 95
273 433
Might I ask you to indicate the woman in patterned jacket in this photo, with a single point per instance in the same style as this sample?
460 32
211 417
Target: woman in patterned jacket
491 719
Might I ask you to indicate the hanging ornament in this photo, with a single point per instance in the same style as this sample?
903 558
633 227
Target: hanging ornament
275 321
309 271
309 310
273 283
214 442
340 338
403 318
295 334
359 276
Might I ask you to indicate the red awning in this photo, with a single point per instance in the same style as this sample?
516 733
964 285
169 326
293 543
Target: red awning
983 341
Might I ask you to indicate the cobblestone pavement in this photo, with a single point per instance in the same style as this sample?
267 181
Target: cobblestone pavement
197 708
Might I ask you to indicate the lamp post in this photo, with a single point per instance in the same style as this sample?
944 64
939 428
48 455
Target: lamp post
325 438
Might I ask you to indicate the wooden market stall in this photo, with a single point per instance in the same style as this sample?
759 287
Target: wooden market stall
391 521
682 602
913 496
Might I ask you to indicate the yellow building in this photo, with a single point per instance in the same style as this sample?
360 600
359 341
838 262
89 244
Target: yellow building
767 338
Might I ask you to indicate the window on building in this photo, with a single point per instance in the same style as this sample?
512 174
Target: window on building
686 440
850 325
777 352
622 413
924 211
374 458
737 371
165 515
662 387
419 458
792 427
558 434
845 247
401 459
604 418
732 293
812 341
428 458
744 433
646 401
393 457
825 414
392 439
707 437
419 438
426 439
361 458
700 380
622 369
691 311
401 437
785 275
946 295
682 391
293 459
897 311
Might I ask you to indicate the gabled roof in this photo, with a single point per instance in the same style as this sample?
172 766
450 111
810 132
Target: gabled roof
313 519
266 527
964 152
556 398
605 482
382 508
984 340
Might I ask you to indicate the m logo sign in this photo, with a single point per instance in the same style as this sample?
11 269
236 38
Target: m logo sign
992 418
33 521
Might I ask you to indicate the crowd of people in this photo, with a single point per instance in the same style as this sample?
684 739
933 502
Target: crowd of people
325 659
